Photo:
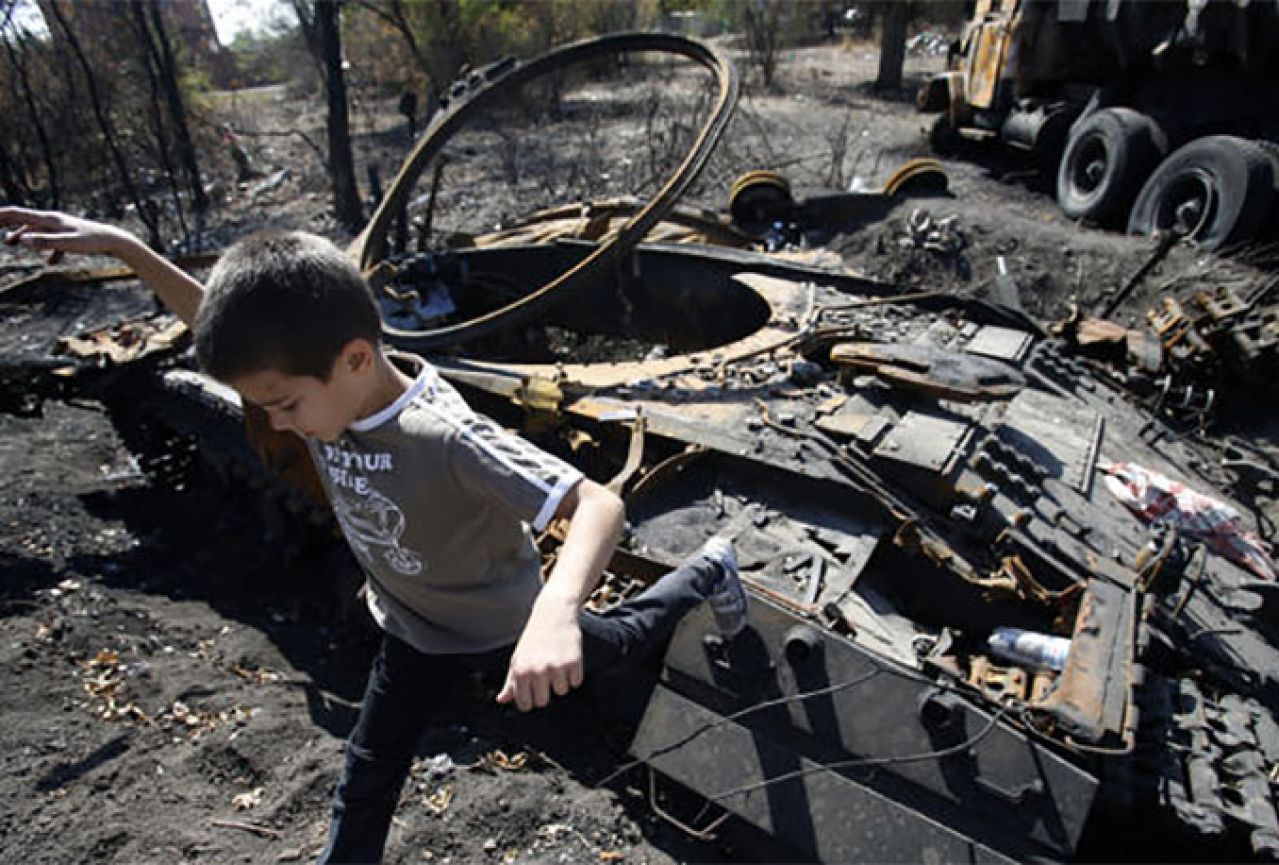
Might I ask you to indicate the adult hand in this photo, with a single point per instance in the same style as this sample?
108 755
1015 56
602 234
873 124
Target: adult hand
58 233
548 657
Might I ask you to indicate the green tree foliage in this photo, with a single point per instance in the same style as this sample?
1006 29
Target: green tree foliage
440 38
271 56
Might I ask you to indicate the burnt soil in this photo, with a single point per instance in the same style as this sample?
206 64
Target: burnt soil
178 681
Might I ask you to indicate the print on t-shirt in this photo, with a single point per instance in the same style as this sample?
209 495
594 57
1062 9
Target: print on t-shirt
372 523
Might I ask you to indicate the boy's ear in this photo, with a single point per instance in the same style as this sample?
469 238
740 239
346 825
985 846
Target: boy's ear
357 355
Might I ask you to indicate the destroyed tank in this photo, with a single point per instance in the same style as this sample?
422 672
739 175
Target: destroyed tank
991 619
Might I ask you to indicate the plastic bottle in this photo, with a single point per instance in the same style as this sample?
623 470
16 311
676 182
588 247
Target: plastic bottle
1027 647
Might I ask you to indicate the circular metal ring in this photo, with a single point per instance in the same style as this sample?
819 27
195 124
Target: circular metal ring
370 247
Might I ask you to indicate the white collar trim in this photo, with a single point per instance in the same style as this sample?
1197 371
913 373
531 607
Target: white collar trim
383 415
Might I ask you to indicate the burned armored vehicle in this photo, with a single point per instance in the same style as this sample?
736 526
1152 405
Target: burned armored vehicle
964 643
982 629
1000 611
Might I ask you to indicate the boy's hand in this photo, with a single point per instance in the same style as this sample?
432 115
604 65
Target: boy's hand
548 657
60 233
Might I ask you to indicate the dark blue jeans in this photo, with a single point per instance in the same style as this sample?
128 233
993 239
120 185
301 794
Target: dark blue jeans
406 687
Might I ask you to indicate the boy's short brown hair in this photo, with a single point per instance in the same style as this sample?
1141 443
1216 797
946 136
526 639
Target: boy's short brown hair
283 301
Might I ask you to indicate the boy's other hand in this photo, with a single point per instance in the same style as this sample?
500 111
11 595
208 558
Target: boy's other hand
58 233
548 657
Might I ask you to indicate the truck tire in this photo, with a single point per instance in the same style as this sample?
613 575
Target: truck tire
1108 155
943 137
1216 190
1271 149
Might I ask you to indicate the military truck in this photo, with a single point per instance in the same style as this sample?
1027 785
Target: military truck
1152 116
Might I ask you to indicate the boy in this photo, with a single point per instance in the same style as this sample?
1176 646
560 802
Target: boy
435 500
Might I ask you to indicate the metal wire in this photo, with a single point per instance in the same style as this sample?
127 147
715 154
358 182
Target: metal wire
867 761
741 713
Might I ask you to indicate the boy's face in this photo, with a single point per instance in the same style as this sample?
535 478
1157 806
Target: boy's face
304 404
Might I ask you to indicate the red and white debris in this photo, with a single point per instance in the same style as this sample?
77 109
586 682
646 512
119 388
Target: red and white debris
1153 496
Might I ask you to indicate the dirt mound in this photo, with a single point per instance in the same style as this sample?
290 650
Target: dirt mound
954 245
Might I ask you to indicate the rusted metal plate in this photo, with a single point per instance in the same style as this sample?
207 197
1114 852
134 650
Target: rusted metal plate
1092 697
987 60
127 341
933 369
849 419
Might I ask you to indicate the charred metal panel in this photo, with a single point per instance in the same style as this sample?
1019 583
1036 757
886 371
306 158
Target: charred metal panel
823 814
1209 758
1001 343
1063 436
933 369
855 417
908 744
925 450
804 545
925 442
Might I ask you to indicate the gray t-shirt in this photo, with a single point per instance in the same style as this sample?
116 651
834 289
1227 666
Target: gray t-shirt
437 502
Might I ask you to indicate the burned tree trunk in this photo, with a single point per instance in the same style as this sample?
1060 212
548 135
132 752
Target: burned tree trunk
322 25
150 61
33 115
168 77
764 38
892 44
145 213
14 190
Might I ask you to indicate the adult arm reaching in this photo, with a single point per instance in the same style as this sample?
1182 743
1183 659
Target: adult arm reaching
61 233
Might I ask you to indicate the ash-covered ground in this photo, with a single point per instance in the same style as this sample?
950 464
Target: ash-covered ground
177 684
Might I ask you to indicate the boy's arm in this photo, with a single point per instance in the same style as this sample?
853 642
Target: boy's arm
548 656
60 233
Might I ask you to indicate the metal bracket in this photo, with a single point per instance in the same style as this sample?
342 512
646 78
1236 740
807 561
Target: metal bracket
704 834
634 456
